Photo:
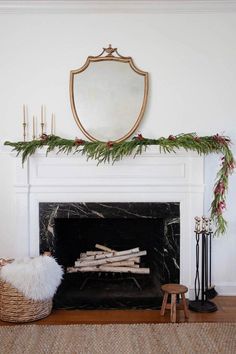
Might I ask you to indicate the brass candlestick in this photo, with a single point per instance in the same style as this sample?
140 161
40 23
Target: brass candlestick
42 120
24 130
42 128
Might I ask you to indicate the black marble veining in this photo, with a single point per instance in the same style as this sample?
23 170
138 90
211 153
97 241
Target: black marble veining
66 229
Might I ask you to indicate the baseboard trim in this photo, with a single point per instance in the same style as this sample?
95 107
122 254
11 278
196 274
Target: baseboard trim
117 6
223 289
228 289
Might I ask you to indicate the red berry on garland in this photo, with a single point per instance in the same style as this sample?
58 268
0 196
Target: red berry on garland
171 137
110 144
221 207
216 137
78 141
139 137
232 166
220 188
227 140
221 139
197 139
44 137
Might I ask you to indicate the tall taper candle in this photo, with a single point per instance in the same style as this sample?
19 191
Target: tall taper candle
34 133
41 114
23 113
52 124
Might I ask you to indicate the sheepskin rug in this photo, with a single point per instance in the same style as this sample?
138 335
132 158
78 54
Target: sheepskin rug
37 278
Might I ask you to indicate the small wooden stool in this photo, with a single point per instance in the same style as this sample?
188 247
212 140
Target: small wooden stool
173 290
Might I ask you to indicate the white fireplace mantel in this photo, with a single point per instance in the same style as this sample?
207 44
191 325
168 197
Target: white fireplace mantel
150 177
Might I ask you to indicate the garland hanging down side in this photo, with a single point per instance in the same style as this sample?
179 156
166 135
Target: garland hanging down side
112 152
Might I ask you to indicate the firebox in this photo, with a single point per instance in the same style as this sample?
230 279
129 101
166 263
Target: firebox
72 231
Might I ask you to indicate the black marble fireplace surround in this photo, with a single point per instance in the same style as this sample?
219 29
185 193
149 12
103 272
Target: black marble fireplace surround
67 229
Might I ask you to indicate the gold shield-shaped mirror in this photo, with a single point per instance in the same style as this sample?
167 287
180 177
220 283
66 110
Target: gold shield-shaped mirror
108 96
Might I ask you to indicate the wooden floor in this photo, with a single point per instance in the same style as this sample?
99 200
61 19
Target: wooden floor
226 313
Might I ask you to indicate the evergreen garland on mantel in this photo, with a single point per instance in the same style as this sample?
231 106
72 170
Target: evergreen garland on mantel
112 152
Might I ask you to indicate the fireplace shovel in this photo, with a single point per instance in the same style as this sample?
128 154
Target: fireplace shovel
210 291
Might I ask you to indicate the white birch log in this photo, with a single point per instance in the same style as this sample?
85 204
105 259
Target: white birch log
121 253
97 256
125 270
82 270
118 253
133 259
124 264
115 264
103 248
109 254
93 253
108 260
72 270
109 269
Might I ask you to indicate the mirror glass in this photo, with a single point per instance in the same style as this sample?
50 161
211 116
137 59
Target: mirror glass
108 97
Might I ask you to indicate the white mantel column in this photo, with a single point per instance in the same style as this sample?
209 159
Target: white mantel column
22 212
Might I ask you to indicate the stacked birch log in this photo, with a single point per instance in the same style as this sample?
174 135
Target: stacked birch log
108 260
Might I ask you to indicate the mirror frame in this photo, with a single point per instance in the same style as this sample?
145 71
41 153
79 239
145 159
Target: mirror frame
109 57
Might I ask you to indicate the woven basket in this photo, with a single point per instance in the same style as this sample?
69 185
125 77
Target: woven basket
15 307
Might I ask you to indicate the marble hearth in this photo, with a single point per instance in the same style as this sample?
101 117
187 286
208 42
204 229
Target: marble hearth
69 229
150 178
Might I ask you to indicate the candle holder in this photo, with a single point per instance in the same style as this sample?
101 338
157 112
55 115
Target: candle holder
42 119
24 124
42 128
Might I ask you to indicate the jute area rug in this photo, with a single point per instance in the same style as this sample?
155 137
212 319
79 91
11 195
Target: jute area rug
119 339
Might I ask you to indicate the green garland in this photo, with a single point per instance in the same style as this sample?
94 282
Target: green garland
112 152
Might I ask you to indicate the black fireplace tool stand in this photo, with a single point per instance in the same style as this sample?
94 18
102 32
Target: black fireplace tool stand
203 288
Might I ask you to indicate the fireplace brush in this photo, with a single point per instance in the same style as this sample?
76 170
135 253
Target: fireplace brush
210 289
202 284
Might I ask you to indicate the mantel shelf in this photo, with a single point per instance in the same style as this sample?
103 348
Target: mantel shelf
152 151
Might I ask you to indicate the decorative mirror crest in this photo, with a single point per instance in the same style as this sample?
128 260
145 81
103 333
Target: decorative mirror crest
108 96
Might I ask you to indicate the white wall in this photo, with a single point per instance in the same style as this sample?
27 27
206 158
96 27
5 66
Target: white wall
191 60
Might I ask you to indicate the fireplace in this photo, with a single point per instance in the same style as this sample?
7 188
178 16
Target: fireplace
152 177
68 230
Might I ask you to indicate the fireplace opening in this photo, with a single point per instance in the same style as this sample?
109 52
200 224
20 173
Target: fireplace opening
75 229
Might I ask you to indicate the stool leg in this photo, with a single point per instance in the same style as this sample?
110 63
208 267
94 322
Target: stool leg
173 308
186 314
164 302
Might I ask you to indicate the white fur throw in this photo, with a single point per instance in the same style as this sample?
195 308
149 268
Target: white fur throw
37 278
